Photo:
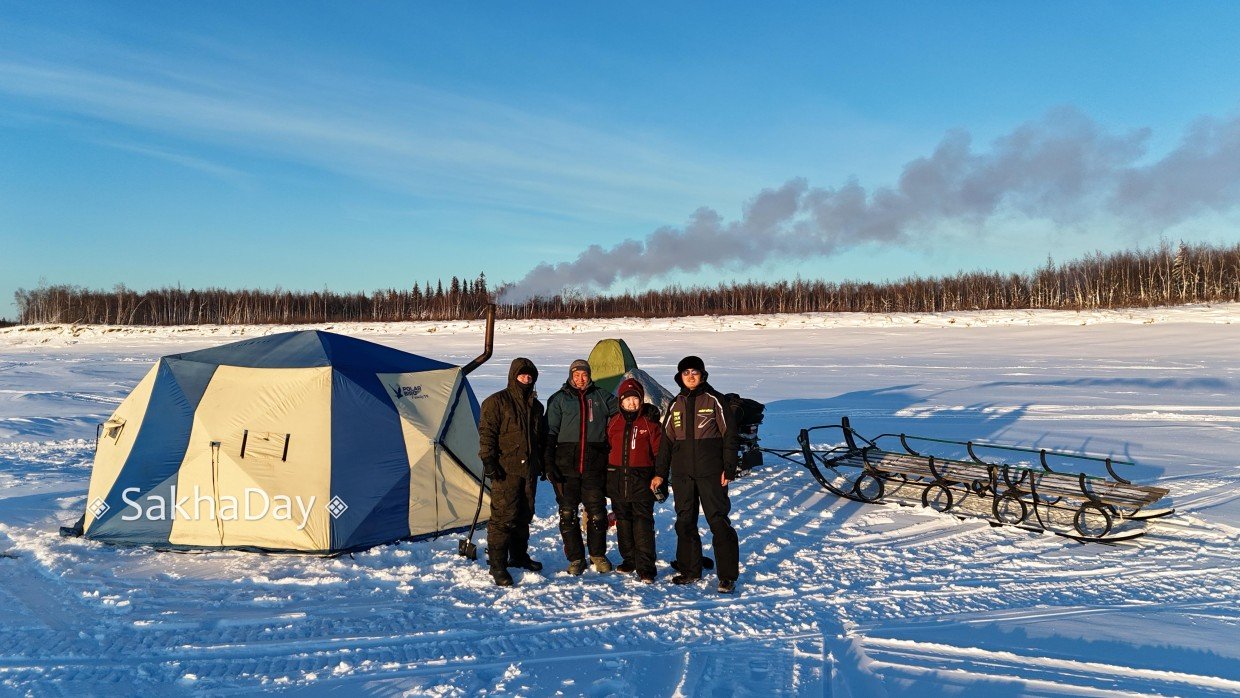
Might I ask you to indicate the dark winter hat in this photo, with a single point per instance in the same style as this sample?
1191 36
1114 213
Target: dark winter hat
522 365
630 386
579 365
688 362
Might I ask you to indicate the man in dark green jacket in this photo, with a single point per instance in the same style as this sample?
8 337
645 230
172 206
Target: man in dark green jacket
576 462
511 431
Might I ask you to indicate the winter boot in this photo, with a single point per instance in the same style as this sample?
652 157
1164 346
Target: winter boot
576 567
501 577
626 567
646 577
727 586
683 578
601 564
707 564
526 564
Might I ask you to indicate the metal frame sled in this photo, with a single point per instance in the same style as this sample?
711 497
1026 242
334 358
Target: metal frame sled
1088 508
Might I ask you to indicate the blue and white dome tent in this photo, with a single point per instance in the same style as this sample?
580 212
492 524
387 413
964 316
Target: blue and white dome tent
301 442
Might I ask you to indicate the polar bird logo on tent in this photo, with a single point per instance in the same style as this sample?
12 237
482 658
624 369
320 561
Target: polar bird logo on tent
414 391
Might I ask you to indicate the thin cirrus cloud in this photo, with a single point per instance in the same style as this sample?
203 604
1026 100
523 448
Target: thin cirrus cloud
402 136
230 174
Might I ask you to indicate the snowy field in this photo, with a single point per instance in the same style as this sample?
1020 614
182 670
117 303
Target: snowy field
834 598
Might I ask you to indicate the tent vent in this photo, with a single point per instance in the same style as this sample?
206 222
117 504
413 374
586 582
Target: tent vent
113 427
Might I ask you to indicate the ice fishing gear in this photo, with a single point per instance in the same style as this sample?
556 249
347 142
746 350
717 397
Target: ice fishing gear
466 546
748 415
1077 505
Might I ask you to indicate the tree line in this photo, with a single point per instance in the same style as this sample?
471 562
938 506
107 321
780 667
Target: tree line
1165 275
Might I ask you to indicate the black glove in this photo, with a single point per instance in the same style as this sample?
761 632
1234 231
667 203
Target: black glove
495 471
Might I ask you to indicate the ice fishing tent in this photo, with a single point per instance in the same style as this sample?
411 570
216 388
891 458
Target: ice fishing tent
349 444
656 394
609 360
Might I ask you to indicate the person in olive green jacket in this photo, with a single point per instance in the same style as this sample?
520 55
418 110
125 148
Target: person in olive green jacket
511 431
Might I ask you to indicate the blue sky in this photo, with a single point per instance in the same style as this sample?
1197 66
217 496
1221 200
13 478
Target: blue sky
359 146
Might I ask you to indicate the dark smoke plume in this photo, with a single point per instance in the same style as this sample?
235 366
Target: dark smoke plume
1062 167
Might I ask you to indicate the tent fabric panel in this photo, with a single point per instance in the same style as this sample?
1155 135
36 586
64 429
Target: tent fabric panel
461 435
423 504
458 480
193 378
262 498
313 348
140 526
370 465
285 350
350 354
111 453
197 478
151 466
457 494
422 399
474 405
609 360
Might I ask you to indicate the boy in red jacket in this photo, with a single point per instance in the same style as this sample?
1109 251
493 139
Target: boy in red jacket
631 483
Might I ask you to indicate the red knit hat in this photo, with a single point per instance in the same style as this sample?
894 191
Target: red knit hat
630 386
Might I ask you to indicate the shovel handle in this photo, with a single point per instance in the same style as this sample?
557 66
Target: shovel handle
467 545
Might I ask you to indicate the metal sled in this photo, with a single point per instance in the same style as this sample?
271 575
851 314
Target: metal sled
1076 505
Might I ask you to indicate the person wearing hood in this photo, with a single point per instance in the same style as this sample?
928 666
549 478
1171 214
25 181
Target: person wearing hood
511 432
698 451
634 436
576 460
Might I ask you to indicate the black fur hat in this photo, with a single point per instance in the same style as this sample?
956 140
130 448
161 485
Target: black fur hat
693 362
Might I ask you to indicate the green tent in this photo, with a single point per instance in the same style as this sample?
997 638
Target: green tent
609 361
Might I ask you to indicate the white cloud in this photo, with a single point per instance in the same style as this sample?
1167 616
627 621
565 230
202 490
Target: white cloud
398 135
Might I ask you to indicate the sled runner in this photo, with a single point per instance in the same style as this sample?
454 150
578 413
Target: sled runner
1055 495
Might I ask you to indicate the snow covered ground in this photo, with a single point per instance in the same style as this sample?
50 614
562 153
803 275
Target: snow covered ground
835 598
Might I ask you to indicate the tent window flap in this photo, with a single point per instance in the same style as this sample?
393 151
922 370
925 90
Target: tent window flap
264 445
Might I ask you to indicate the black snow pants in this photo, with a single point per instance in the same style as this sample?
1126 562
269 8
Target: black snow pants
633 504
689 493
508 530
588 492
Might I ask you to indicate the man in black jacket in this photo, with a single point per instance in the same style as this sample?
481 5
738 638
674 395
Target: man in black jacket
699 449
511 431
576 461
